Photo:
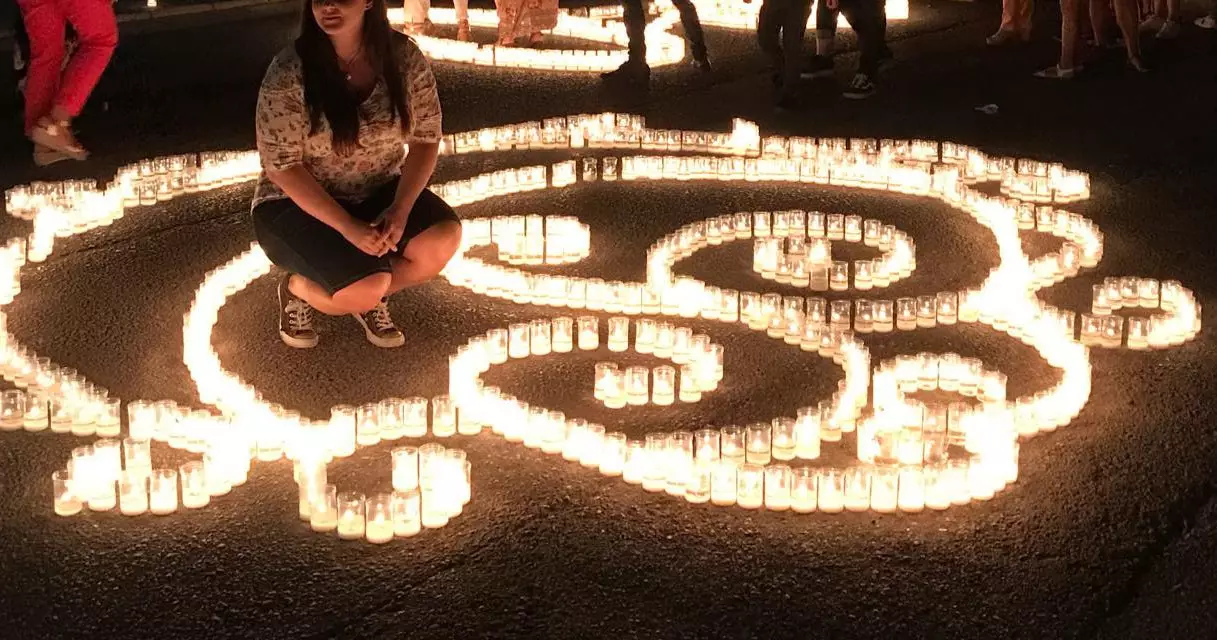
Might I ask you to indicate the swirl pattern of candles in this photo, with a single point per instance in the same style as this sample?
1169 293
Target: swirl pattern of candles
910 455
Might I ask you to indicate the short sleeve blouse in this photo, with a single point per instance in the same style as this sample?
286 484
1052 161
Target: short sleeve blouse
284 139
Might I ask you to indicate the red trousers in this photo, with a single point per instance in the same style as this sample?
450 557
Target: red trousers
48 83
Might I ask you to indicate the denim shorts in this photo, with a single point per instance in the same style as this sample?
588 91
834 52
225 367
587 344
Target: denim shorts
301 244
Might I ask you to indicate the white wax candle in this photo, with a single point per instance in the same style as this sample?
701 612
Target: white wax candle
379 531
350 526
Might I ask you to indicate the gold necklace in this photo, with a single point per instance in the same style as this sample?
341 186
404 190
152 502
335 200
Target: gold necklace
348 63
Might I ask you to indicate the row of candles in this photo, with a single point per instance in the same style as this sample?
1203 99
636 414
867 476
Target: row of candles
431 485
74 205
663 48
745 466
737 14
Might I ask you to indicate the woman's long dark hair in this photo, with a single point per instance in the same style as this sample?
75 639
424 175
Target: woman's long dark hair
325 87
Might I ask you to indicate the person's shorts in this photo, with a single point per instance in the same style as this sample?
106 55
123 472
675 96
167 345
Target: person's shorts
301 244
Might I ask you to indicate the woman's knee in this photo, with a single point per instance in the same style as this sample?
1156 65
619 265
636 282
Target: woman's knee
363 295
436 245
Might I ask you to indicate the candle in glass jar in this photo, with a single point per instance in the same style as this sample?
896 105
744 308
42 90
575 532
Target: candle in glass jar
783 438
777 487
698 485
519 340
884 485
803 490
690 389
637 385
635 466
379 526
758 442
194 485
750 486
350 515
563 334
663 391
162 492
589 333
443 416
406 513
67 502
723 483
612 454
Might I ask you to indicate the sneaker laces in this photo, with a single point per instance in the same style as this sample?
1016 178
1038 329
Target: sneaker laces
299 315
380 319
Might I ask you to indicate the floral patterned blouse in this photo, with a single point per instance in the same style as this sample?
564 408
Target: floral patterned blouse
284 140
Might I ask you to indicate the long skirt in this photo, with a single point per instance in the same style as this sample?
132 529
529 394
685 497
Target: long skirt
519 18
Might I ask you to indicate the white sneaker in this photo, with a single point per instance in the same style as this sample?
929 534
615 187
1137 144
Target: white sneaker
1207 22
1169 31
379 328
1152 24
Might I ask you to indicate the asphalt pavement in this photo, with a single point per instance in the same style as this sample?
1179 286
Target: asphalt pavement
1109 531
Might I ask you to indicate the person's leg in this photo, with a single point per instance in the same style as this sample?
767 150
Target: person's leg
1071 17
826 29
693 31
361 296
1170 29
432 236
1099 21
794 28
97 34
768 28
462 19
635 18
44 24
1126 17
865 18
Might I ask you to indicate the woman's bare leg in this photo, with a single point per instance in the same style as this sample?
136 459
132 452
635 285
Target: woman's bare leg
425 256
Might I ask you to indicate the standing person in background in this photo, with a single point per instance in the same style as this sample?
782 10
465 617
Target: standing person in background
636 69
1071 28
1164 21
417 22
780 28
525 18
55 94
868 18
1015 23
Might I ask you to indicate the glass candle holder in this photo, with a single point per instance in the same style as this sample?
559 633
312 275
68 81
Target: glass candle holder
906 313
635 467
67 502
603 372
563 334
911 490
589 333
351 521
340 433
706 444
863 275
405 513
690 389
443 416
644 340
108 417
665 337
519 340
839 313
831 491
838 276
698 485
415 419
497 345
884 315
12 409
803 489
807 433
723 483
884 486
613 454
777 487
750 486
405 468
731 444
637 385
132 493
194 485
162 491
540 337
618 334
758 440
946 307
137 455
654 477
323 513
783 438
614 389
367 425
38 414
379 525
927 311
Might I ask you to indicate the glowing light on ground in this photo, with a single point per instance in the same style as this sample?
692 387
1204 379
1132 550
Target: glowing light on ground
910 455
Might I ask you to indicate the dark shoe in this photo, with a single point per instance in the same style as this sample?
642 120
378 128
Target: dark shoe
295 319
860 88
818 67
702 64
630 71
379 328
